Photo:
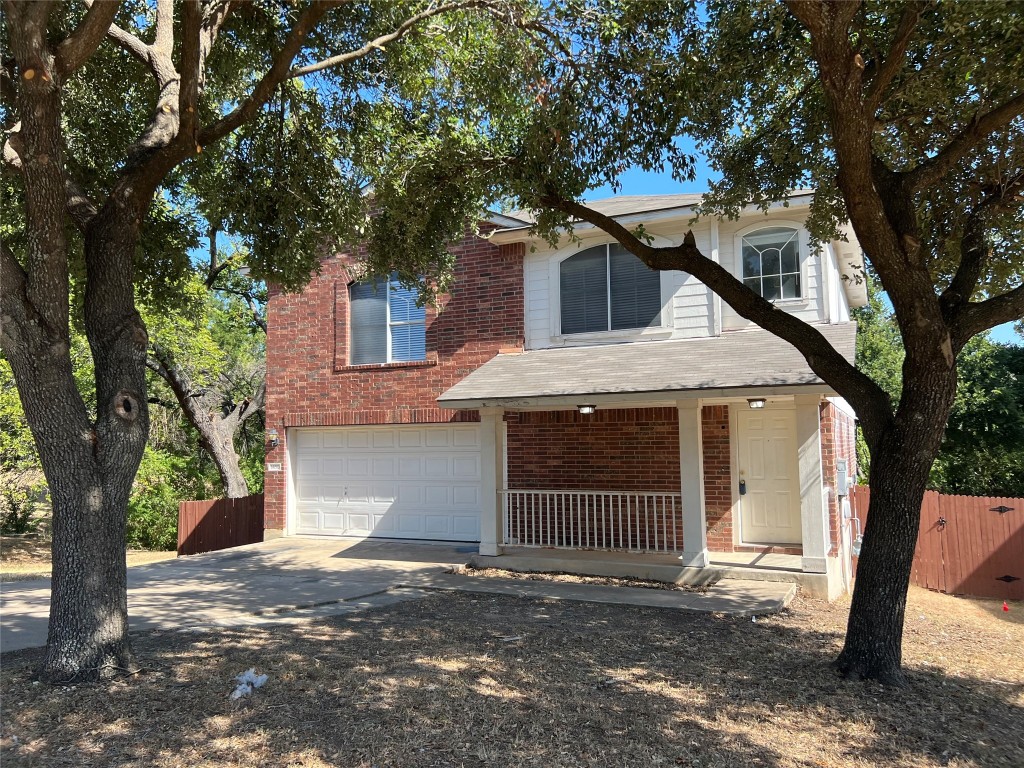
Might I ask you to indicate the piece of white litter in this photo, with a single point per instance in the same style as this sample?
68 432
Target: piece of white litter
247 682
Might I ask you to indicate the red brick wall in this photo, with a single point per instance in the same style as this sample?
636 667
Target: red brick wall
309 381
717 477
611 450
621 450
838 441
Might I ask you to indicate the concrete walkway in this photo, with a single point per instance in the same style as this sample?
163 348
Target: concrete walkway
294 579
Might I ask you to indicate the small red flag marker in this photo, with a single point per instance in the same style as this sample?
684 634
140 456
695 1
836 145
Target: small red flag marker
1006 607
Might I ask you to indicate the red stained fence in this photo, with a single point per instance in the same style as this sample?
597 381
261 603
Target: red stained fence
212 524
967 545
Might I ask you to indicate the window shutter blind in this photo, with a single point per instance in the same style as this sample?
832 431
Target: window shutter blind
408 337
583 291
636 291
368 323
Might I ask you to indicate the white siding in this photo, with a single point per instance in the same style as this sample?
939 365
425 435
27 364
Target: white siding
688 306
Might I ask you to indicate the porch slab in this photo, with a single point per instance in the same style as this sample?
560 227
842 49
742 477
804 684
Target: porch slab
723 566
735 598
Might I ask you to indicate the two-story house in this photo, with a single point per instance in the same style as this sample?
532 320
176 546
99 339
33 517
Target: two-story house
570 398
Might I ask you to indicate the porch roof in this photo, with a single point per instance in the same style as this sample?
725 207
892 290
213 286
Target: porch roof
749 360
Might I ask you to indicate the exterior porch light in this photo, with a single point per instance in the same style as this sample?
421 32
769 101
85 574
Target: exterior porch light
756 402
586 410
272 438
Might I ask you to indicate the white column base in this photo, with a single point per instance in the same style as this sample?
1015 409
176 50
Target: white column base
697 559
489 549
814 564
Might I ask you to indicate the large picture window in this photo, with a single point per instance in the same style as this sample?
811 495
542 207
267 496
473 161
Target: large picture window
385 324
771 262
607 288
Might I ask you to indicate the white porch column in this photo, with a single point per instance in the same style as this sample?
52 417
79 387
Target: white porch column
813 511
691 470
492 474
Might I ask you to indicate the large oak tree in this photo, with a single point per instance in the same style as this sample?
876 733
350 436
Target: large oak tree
129 124
906 118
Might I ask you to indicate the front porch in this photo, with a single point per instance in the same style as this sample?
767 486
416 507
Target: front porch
743 566
683 461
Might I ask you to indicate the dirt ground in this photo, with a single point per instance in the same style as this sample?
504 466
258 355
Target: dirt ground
469 680
29 558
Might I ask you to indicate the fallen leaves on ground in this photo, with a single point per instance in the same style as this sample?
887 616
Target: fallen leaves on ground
471 680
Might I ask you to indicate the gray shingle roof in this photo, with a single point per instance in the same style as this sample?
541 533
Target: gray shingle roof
736 359
626 205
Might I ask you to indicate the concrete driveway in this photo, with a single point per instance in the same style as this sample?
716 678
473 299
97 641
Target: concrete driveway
278 580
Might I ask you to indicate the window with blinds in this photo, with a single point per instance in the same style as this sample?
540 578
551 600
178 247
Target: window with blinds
608 288
385 325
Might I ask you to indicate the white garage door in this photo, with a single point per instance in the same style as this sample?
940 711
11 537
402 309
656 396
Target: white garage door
408 482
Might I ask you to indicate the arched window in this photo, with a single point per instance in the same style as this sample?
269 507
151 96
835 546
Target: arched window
385 325
607 288
771 262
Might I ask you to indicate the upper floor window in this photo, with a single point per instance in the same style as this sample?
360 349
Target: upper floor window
771 262
385 324
607 288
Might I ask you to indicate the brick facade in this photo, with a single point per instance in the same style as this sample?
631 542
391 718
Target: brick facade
838 441
309 381
629 449
718 488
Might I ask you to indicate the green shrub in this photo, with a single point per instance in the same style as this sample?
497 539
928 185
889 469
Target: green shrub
153 506
18 501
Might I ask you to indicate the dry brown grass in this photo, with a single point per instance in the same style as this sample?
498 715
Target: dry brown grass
574 578
471 680
29 558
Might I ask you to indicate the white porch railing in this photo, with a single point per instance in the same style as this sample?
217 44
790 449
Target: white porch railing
636 521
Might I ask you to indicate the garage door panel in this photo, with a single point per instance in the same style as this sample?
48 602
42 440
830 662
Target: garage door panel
466 526
466 466
437 439
308 467
410 438
402 482
332 440
466 438
357 438
357 468
335 522
468 495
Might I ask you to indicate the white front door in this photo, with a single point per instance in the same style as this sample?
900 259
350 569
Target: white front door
769 475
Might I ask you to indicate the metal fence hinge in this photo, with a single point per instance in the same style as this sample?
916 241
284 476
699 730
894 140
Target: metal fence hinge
1002 509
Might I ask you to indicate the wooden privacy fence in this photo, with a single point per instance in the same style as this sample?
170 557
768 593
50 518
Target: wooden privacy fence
967 545
212 524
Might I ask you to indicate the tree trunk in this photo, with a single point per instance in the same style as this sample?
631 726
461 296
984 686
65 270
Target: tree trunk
88 630
217 439
900 464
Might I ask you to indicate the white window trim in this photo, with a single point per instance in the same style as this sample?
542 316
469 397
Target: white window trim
662 330
389 324
803 253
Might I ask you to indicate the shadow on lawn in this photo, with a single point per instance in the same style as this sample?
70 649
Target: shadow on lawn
474 680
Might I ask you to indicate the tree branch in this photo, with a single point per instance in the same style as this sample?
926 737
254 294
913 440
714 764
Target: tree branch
126 40
978 317
883 72
76 49
867 398
931 171
277 73
399 32
974 245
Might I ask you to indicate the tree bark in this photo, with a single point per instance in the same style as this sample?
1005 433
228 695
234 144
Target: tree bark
901 461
